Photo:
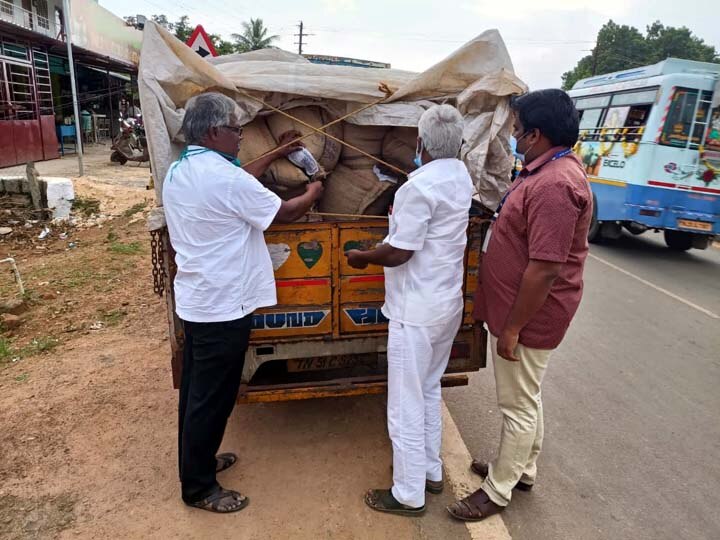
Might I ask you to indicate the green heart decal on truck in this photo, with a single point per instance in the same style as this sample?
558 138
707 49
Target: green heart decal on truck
310 252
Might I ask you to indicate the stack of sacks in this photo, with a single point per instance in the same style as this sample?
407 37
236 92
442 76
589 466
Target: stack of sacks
263 134
353 188
351 185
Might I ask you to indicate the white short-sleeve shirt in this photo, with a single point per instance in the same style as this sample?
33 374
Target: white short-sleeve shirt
430 217
216 214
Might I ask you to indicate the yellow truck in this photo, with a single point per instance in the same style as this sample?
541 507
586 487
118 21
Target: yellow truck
327 335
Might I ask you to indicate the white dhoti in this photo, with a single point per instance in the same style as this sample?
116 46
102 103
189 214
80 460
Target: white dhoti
417 358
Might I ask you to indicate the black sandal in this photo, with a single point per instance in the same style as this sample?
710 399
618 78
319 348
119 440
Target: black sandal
222 501
225 461
382 500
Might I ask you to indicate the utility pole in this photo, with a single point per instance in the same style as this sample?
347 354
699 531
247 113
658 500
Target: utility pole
73 84
300 36
595 58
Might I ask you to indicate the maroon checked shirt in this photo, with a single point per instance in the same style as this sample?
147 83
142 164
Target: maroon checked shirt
545 217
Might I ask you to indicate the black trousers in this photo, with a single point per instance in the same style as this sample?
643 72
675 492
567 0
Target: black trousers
213 360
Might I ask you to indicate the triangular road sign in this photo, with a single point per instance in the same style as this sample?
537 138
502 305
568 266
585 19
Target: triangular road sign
201 43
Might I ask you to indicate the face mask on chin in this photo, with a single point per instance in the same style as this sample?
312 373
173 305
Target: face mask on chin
520 155
418 155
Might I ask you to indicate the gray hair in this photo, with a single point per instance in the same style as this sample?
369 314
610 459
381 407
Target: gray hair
206 111
441 131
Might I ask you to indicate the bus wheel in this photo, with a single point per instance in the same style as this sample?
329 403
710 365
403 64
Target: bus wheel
594 234
678 240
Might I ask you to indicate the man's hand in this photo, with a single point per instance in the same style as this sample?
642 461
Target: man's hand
507 341
286 138
315 189
356 259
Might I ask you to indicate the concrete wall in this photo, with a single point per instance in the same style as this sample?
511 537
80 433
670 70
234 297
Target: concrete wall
57 194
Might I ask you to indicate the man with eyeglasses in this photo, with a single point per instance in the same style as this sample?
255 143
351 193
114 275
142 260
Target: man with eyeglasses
216 213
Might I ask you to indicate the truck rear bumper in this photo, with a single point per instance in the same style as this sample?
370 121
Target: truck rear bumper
336 388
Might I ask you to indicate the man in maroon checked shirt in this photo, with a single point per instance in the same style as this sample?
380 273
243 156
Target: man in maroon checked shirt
530 287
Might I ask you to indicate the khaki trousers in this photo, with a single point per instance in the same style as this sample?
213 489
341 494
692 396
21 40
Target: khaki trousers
519 400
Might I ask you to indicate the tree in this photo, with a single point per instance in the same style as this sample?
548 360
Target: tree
624 47
162 21
254 37
222 47
183 29
679 43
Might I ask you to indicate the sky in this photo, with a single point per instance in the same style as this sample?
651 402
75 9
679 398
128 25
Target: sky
545 38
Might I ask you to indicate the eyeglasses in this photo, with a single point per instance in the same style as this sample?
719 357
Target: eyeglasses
237 130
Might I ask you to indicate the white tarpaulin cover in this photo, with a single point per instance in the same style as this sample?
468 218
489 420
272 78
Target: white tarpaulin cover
478 79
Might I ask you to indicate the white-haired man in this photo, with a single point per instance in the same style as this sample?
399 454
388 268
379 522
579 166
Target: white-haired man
216 213
423 259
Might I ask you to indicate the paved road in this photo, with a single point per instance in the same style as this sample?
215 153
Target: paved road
632 405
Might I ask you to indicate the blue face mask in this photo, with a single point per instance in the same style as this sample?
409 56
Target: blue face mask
418 155
513 146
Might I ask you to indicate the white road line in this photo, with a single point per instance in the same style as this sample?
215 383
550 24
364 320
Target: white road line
674 296
456 459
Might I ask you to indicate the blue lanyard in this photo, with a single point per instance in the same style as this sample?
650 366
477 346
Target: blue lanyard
187 152
522 178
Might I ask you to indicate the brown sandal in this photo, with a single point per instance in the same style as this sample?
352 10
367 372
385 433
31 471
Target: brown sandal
475 507
222 501
480 468
225 461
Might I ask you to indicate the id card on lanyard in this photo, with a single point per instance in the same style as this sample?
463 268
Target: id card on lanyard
520 180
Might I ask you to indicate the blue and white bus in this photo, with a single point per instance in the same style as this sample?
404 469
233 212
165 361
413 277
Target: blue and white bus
650 143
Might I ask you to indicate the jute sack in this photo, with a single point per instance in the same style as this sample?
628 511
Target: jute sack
256 141
351 191
325 150
366 138
399 146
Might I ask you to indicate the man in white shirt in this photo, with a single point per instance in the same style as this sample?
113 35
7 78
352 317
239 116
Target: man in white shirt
423 257
216 213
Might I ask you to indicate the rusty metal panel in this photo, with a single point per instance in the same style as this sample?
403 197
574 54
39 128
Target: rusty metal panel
49 137
346 387
355 238
304 291
359 289
28 144
7 144
301 253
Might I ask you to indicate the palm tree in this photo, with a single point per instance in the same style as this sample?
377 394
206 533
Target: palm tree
254 37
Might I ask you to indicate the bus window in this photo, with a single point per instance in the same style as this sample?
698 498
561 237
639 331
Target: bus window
679 118
712 138
632 111
701 119
589 120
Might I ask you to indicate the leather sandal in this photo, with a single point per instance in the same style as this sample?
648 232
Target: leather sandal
225 461
478 467
222 501
475 507
436 488
382 500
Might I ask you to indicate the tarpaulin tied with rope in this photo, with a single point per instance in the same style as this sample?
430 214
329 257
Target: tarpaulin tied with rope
478 79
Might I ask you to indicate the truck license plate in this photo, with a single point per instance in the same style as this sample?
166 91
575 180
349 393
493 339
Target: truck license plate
695 225
316 364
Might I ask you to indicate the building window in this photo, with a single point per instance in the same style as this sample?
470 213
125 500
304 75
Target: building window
7 8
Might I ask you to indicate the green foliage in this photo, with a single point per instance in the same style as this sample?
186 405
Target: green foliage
6 350
139 207
40 345
133 248
87 206
624 47
113 318
254 37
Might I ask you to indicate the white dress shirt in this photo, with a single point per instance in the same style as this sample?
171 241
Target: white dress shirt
216 214
429 217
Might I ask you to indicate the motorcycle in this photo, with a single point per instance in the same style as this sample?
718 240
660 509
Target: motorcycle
130 144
